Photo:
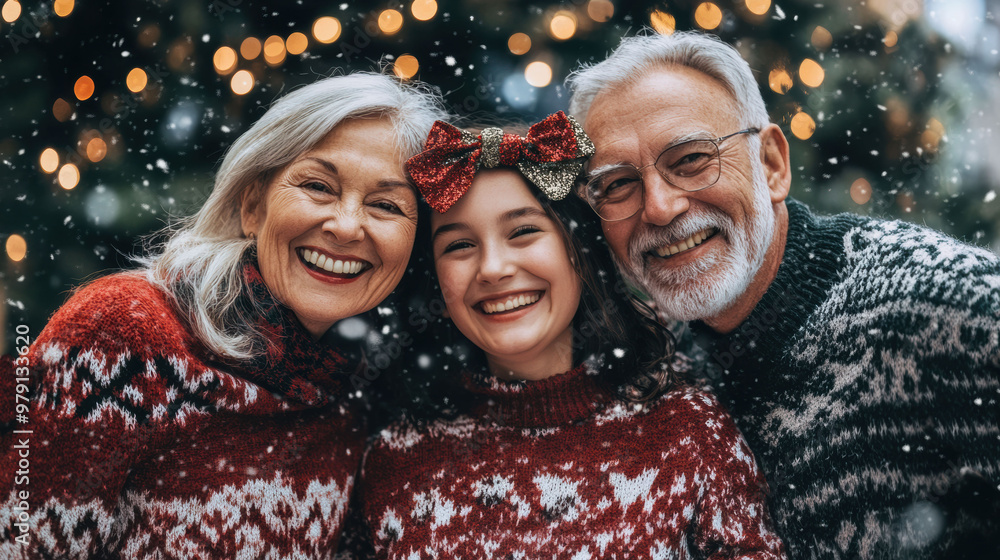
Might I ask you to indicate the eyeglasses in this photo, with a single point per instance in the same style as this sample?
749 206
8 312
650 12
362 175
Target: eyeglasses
617 193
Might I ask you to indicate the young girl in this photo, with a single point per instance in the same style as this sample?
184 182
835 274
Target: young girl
573 440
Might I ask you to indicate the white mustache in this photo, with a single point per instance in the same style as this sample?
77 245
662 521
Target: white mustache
652 237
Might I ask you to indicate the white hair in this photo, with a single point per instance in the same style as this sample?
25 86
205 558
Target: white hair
636 56
199 264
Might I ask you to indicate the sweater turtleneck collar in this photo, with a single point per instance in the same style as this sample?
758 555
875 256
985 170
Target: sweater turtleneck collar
562 399
293 365
813 258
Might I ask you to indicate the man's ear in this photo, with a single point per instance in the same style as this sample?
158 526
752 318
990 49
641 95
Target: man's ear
777 165
252 209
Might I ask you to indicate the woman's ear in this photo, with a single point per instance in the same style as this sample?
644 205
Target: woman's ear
251 209
777 164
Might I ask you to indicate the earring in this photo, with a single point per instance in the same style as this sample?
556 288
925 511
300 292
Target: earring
252 236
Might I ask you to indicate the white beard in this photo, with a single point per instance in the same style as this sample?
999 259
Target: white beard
704 288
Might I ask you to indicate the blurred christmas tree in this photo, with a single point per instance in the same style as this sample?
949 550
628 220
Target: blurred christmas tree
114 116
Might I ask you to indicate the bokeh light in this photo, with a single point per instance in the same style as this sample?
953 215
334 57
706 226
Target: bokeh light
63 8
423 10
69 176
83 88
406 66
49 160
891 38
932 136
600 10
136 80
62 110
97 148
538 74
17 247
274 50
708 15
242 82
390 21
563 25
224 60
297 43
250 48
803 126
662 22
779 81
811 73
11 11
861 191
519 43
759 7
326 29
821 38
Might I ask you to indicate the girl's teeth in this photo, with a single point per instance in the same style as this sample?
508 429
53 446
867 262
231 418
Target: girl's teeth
512 303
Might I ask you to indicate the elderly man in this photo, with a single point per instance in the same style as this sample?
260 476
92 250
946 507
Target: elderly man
860 357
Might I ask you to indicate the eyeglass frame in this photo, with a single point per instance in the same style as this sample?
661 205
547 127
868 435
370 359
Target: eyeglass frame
718 149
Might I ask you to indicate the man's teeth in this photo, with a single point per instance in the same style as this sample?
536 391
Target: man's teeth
331 265
688 243
511 303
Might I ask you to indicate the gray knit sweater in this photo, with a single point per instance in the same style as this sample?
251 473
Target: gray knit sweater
866 382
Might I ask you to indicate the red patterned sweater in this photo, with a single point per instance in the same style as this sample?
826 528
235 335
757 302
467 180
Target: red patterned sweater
140 448
560 469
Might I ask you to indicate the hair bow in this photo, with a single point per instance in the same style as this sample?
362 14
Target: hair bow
550 156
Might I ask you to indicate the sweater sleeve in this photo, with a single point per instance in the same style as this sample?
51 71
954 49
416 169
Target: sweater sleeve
97 396
732 520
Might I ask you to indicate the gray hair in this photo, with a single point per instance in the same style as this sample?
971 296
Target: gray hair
199 264
636 56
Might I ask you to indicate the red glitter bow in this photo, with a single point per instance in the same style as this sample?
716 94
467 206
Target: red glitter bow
550 156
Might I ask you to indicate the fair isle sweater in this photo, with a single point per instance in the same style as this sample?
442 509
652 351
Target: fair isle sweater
558 468
866 382
141 448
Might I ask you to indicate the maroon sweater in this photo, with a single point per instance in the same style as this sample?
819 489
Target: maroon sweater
141 448
561 469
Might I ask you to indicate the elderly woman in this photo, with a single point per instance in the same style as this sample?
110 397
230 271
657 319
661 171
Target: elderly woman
188 409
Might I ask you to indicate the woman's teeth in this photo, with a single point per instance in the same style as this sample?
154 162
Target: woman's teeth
689 243
330 265
511 303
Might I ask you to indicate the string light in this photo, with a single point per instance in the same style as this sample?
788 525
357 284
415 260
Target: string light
297 43
83 88
662 22
708 15
69 176
538 74
136 80
563 25
242 82
519 43
49 160
423 10
17 247
250 48
803 126
224 60
811 73
390 21
600 10
326 29
406 67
